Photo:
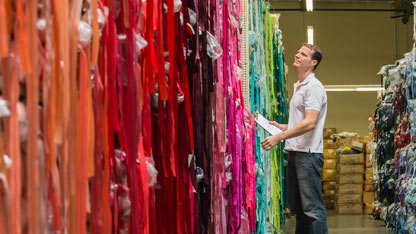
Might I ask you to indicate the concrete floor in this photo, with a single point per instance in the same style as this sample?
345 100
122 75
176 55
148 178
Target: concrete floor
346 224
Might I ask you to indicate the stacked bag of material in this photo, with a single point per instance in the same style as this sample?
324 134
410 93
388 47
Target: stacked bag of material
329 169
348 140
395 128
350 178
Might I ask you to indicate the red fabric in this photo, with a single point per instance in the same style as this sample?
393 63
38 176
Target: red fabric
185 85
112 54
149 55
132 118
144 185
96 181
173 97
163 92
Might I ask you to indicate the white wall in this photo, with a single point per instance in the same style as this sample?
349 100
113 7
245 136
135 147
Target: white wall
354 45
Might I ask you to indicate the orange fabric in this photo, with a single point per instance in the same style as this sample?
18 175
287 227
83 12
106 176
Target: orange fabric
52 100
81 157
56 107
89 119
9 16
61 7
11 92
32 87
5 209
2 162
4 34
77 186
53 116
22 38
54 194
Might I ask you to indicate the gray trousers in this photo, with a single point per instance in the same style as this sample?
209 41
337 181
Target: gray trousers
304 171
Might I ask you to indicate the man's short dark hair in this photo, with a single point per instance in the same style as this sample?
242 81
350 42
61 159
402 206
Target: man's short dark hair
317 54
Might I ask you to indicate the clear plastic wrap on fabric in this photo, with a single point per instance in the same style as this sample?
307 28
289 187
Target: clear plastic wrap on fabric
151 170
140 43
192 16
4 110
85 33
214 49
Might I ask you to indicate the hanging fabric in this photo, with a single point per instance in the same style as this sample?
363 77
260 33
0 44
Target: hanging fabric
136 110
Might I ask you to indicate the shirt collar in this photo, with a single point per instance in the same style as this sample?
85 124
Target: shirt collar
305 81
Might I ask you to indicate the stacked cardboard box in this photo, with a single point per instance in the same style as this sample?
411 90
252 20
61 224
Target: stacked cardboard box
350 178
329 169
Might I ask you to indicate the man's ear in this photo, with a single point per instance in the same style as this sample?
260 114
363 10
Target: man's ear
314 62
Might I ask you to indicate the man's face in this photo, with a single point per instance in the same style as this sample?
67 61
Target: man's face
303 58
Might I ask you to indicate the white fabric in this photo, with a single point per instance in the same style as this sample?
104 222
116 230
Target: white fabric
308 95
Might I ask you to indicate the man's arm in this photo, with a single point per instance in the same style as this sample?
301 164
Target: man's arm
307 124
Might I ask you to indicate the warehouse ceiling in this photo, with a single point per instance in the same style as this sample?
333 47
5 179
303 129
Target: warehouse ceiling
401 8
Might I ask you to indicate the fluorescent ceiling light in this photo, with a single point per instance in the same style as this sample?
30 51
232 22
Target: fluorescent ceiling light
370 89
309 5
353 88
339 90
310 35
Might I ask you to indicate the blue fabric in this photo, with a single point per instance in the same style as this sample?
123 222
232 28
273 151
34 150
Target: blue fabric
304 172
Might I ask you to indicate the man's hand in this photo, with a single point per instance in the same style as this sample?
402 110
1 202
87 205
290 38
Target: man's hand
282 127
269 142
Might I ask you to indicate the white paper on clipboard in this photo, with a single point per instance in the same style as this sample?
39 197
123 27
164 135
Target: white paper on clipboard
264 123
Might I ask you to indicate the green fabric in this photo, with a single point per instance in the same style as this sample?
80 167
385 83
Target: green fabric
267 97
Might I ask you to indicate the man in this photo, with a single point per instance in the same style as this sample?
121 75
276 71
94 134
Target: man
304 143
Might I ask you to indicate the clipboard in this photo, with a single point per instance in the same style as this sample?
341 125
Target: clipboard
264 123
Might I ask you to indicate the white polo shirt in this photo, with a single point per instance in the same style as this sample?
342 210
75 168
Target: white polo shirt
308 95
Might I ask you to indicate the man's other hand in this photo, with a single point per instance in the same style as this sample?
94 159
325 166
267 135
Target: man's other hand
269 142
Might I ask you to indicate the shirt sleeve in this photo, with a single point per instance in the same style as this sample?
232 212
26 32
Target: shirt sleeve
315 98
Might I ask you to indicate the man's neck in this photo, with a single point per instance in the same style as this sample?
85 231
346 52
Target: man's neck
303 74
